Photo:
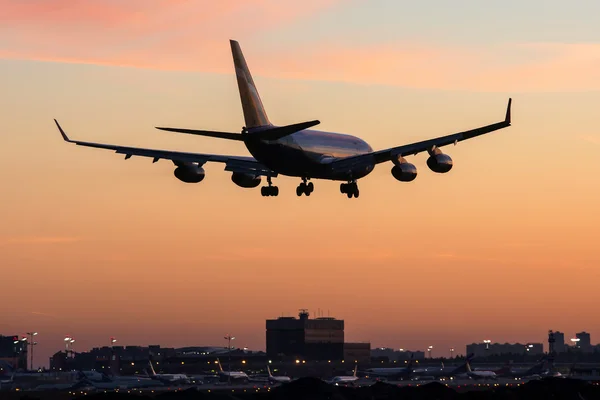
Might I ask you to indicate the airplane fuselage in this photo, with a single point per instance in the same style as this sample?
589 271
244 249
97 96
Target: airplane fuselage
307 153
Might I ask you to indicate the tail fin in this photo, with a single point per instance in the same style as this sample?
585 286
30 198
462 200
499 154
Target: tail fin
355 369
254 112
269 371
220 367
152 372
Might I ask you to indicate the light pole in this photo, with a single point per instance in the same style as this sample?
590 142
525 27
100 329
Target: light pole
69 341
487 345
31 344
429 349
112 341
452 352
229 338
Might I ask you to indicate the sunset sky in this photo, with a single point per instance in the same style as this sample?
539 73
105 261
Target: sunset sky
503 247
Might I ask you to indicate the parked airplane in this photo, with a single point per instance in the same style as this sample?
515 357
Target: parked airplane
443 372
345 379
479 374
103 381
235 375
277 379
392 372
294 150
168 378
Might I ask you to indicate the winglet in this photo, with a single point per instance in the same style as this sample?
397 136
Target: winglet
64 135
507 119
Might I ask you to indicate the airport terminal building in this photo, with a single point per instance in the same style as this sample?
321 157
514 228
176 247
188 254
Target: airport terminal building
306 339
13 354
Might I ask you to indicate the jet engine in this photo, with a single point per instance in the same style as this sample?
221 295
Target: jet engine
439 162
403 170
189 173
245 180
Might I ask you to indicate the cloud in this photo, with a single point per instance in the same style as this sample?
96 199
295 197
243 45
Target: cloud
192 36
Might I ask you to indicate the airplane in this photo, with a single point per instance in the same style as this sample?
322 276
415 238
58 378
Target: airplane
234 375
103 381
443 372
392 372
345 379
479 374
277 379
294 150
168 378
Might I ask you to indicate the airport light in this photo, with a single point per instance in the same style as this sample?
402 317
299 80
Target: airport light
452 352
487 343
31 344
429 350
575 342
229 338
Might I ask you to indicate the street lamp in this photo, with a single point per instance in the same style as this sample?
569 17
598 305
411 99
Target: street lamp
487 344
229 338
31 344
112 341
452 352
429 349
575 342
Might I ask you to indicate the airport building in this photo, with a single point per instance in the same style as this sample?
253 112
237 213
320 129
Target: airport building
316 339
127 360
584 343
387 354
13 354
495 349
305 338
559 342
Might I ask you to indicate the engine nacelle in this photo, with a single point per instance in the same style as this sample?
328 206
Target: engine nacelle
440 163
404 171
189 173
245 180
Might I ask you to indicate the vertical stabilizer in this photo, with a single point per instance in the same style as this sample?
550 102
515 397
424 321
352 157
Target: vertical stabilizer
254 112
355 369
269 370
152 372
220 367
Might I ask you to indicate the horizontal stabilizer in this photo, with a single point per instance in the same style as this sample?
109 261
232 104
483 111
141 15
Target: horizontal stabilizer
278 132
266 133
220 135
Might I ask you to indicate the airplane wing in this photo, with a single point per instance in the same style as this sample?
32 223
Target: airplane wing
377 157
232 163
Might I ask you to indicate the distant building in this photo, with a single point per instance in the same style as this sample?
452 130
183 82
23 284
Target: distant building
134 359
386 353
585 343
489 349
559 342
13 354
305 338
357 352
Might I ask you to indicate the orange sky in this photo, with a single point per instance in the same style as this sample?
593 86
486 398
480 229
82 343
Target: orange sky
502 247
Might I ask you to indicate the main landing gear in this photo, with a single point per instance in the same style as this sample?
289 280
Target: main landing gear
270 190
350 189
304 187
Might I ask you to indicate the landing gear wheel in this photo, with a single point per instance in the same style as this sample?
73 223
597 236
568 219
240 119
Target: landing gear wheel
305 188
349 189
267 191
